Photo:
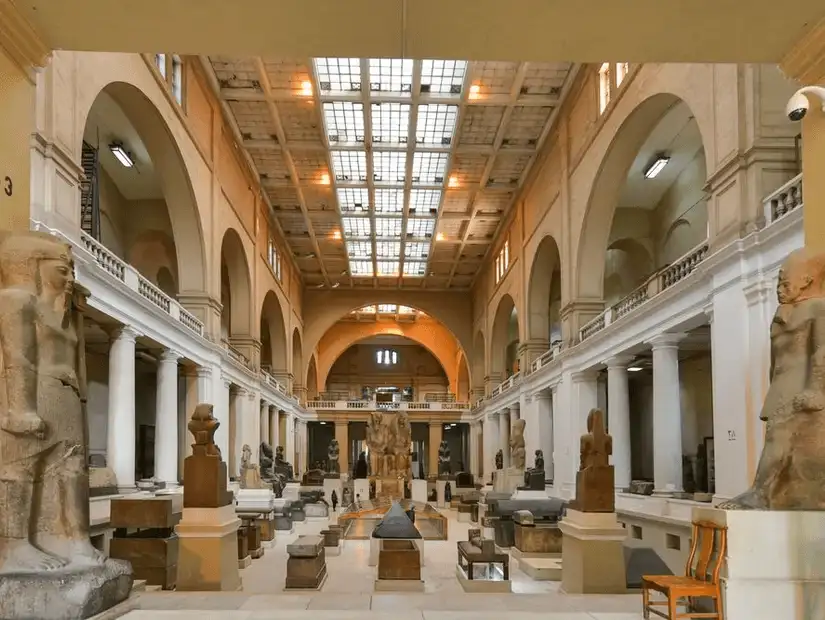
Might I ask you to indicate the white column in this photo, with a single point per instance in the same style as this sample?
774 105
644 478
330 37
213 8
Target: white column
166 419
238 403
618 417
252 424
274 427
544 417
221 413
289 440
264 425
667 414
121 432
504 435
490 442
561 431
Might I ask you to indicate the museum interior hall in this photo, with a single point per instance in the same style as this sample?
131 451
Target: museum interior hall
412 310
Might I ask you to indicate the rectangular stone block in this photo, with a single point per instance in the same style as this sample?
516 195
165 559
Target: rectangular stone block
306 572
316 510
306 547
399 559
538 539
267 526
144 512
154 560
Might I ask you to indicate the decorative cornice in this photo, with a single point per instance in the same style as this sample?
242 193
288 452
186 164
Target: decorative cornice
805 62
20 40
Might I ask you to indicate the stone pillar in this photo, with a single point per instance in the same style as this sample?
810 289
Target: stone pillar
289 440
490 443
472 465
544 407
166 419
504 435
264 426
121 432
561 431
436 434
252 424
342 435
274 427
237 404
618 416
221 412
667 414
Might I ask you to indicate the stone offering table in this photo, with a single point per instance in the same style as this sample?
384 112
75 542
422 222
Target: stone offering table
507 480
481 567
399 566
537 547
306 568
262 503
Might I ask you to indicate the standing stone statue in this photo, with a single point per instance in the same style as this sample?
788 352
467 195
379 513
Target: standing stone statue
500 459
791 470
400 447
44 476
518 455
377 442
250 476
333 453
444 458
595 479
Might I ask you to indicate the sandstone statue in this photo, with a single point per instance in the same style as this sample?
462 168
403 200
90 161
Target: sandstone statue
595 479
444 465
377 442
250 475
518 455
44 476
333 454
282 466
791 470
400 442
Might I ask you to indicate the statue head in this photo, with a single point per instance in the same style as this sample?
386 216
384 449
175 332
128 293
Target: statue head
38 261
801 277
595 422
246 455
203 426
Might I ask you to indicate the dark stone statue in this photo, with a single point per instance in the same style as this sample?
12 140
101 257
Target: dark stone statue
444 466
282 466
500 459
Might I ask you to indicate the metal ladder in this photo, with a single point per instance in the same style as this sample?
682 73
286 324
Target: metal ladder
89 193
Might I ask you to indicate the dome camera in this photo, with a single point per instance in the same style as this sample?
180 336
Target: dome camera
799 104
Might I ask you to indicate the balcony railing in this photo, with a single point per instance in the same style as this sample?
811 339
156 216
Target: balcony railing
371 405
127 274
272 381
654 285
782 201
545 358
507 384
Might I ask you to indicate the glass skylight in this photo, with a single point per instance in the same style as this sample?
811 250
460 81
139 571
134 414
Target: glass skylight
349 166
429 168
405 310
416 250
361 268
391 75
387 308
388 227
355 199
390 123
359 249
443 76
387 249
436 124
415 268
338 75
344 121
420 228
388 268
389 167
389 200
357 227
423 200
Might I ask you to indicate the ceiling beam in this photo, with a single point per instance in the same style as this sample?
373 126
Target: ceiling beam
412 126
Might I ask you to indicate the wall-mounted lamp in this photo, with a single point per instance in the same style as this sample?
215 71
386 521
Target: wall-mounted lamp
653 170
122 155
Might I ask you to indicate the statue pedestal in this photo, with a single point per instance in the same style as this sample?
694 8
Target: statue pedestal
392 488
441 493
775 563
255 499
362 488
333 484
507 480
592 553
419 490
208 557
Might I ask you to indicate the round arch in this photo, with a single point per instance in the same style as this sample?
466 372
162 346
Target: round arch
607 184
478 370
501 335
297 360
312 379
273 335
235 276
546 266
173 175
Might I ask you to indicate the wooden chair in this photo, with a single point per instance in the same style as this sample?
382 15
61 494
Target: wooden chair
701 580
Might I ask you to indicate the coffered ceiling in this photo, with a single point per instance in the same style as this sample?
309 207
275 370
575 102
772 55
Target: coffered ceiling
390 173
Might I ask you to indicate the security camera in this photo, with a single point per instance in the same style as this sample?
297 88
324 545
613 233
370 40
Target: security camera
799 104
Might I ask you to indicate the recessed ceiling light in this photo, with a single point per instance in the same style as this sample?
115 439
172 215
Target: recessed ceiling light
634 369
475 91
653 170
440 237
324 179
336 234
123 156
306 88
453 182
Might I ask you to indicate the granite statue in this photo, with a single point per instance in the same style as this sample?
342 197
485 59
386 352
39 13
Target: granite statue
595 490
361 467
518 455
282 466
444 466
534 477
539 460
500 459
265 458
333 454
46 556
791 470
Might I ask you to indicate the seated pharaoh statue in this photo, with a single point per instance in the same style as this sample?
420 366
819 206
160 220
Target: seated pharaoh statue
282 466
47 562
595 479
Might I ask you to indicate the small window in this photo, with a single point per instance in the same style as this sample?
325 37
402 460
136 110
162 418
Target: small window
604 86
160 63
394 357
379 357
177 79
503 261
622 69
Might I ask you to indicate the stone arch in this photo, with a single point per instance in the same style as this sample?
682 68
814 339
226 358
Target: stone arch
505 332
463 387
236 286
297 359
273 335
172 169
479 368
609 179
312 379
545 269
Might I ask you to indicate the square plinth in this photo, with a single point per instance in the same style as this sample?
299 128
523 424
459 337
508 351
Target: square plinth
592 553
208 550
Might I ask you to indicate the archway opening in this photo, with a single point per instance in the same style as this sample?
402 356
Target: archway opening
273 337
236 288
544 294
505 346
478 364
297 361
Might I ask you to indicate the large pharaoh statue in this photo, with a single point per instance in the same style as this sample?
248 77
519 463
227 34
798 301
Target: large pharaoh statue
376 442
44 478
791 471
401 442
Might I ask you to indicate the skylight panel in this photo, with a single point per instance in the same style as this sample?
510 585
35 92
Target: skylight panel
362 268
353 199
388 268
388 227
389 166
425 200
390 122
420 227
389 200
415 269
359 250
387 308
391 75
405 310
429 168
367 310
338 75
344 122
387 249
443 76
349 166
435 124
357 226
417 250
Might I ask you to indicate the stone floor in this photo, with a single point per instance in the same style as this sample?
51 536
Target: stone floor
348 592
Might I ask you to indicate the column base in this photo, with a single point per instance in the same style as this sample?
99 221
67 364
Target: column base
592 553
208 557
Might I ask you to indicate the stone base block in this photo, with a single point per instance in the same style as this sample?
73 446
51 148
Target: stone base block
306 573
464 517
481 585
362 490
245 562
333 550
541 569
208 556
593 558
399 585
268 544
775 563
70 594
419 490
507 480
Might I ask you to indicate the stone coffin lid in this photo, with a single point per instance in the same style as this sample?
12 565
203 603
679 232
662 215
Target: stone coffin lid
396 524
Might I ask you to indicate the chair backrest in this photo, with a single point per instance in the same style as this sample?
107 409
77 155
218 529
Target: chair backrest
707 551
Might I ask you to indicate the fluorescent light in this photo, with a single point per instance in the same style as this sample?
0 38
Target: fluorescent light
322 422
122 156
634 369
657 166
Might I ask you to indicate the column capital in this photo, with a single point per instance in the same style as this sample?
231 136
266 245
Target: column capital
666 341
584 376
125 333
252 395
227 382
169 356
203 372
542 395
619 362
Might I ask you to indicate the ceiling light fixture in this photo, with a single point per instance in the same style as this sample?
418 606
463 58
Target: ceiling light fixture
121 154
336 234
653 170
634 369
336 285
324 179
475 91
440 237
306 89
453 182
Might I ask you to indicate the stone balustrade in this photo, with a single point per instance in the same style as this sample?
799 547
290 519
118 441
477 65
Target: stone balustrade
367 405
783 200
